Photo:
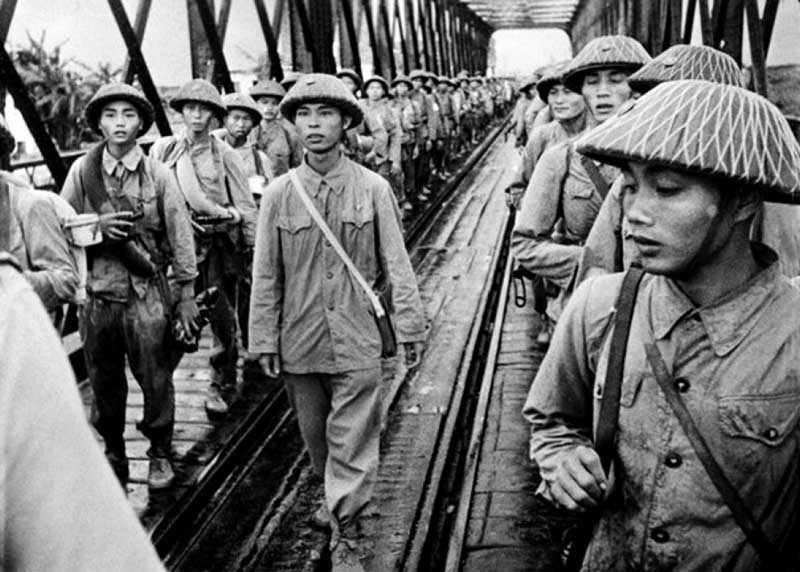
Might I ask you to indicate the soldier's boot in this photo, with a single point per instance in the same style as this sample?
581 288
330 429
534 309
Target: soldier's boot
160 474
321 517
214 404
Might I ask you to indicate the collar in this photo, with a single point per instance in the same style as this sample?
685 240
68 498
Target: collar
130 160
336 178
728 320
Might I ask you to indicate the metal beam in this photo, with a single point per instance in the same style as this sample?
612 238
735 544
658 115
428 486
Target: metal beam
377 63
13 83
688 25
352 37
385 42
139 25
142 71
768 23
7 8
320 20
222 76
706 25
412 34
275 68
757 49
398 22
222 20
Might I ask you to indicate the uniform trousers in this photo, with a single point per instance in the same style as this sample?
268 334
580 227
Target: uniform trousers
340 421
110 331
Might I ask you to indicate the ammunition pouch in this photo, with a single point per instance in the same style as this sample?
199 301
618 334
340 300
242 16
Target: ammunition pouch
137 259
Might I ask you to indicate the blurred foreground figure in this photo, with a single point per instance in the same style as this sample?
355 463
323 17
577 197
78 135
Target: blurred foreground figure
62 507
672 413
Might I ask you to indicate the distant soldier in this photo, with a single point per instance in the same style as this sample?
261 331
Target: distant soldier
309 318
243 115
272 136
447 113
676 423
527 90
426 131
126 315
378 106
368 142
409 116
211 177
289 79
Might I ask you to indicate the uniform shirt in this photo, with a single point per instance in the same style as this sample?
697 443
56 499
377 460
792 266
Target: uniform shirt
737 359
280 145
247 153
409 119
149 187
61 506
560 191
38 243
304 304
380 113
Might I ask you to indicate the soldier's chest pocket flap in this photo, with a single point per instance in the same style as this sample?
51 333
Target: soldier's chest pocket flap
358 214
293 224
768 419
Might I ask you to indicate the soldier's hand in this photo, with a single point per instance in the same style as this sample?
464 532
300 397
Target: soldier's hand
116 225
236 216
271 364
395 169
189 313
413 351
580 482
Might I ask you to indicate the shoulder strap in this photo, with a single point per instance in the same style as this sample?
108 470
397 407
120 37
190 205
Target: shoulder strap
91 177
741 513
609 406
594 174
5 218
257 159
337 247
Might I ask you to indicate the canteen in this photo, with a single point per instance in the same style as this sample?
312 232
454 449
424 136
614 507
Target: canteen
84 230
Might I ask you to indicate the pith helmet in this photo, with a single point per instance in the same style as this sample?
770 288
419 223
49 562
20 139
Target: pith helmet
200 91
445 79
244 102
418 74
528 83
705 128
322 88
402 79
687 62
347 72
376 79
116 92
290 78
554 75
605 52
267 88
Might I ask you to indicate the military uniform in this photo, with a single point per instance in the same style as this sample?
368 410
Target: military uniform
409 120
390 165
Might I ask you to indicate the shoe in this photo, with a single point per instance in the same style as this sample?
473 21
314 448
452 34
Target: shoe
160 474
321 518
214 403
407 206
345 557
119 464
543 339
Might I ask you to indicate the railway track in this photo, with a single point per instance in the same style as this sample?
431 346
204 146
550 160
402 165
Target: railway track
249 487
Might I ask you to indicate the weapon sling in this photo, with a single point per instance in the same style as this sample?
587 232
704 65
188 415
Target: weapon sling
609 406
382 320
743 516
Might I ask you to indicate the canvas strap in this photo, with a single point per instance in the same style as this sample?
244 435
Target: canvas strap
595 175
741 513
335 244
609 406
5 218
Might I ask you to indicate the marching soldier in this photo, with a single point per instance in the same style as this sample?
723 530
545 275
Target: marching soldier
272 136
409 117
377 109
689 460
309 319
211 177
426 132
126 314
368 142
447 113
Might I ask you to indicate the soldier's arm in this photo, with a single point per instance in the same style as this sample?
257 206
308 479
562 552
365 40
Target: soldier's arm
72 191
53 274
531 239
178 226
266 299
408 313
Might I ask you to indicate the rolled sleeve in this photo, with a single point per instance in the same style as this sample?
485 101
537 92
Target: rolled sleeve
266 300
531 239
52 273
409 316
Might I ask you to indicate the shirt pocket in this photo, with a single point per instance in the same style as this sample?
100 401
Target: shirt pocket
358 233
764 419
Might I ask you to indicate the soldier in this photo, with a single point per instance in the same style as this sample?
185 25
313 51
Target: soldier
211 177
368 142
272 136
528 90
447 113
289 79
609 247
243 115
565 192
378 107
323 336
426 132
409 116
570 119
699 462
126 314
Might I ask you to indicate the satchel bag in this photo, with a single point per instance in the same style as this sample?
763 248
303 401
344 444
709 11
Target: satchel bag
378 306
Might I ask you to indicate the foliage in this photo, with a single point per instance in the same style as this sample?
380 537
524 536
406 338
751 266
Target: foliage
60 89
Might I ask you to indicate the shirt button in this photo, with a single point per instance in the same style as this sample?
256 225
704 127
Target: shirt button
682 384
329 275
772 433
673 461
659 535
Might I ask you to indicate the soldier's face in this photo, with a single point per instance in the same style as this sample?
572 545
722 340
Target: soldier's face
239 123
375 91
320 126
401 89
565 103
348 81
269 107
605 91
120 122
678 221
197 116
417 84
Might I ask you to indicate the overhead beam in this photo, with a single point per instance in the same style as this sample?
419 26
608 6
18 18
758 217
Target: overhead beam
221 74
352 36
275 67
139 25
377 62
